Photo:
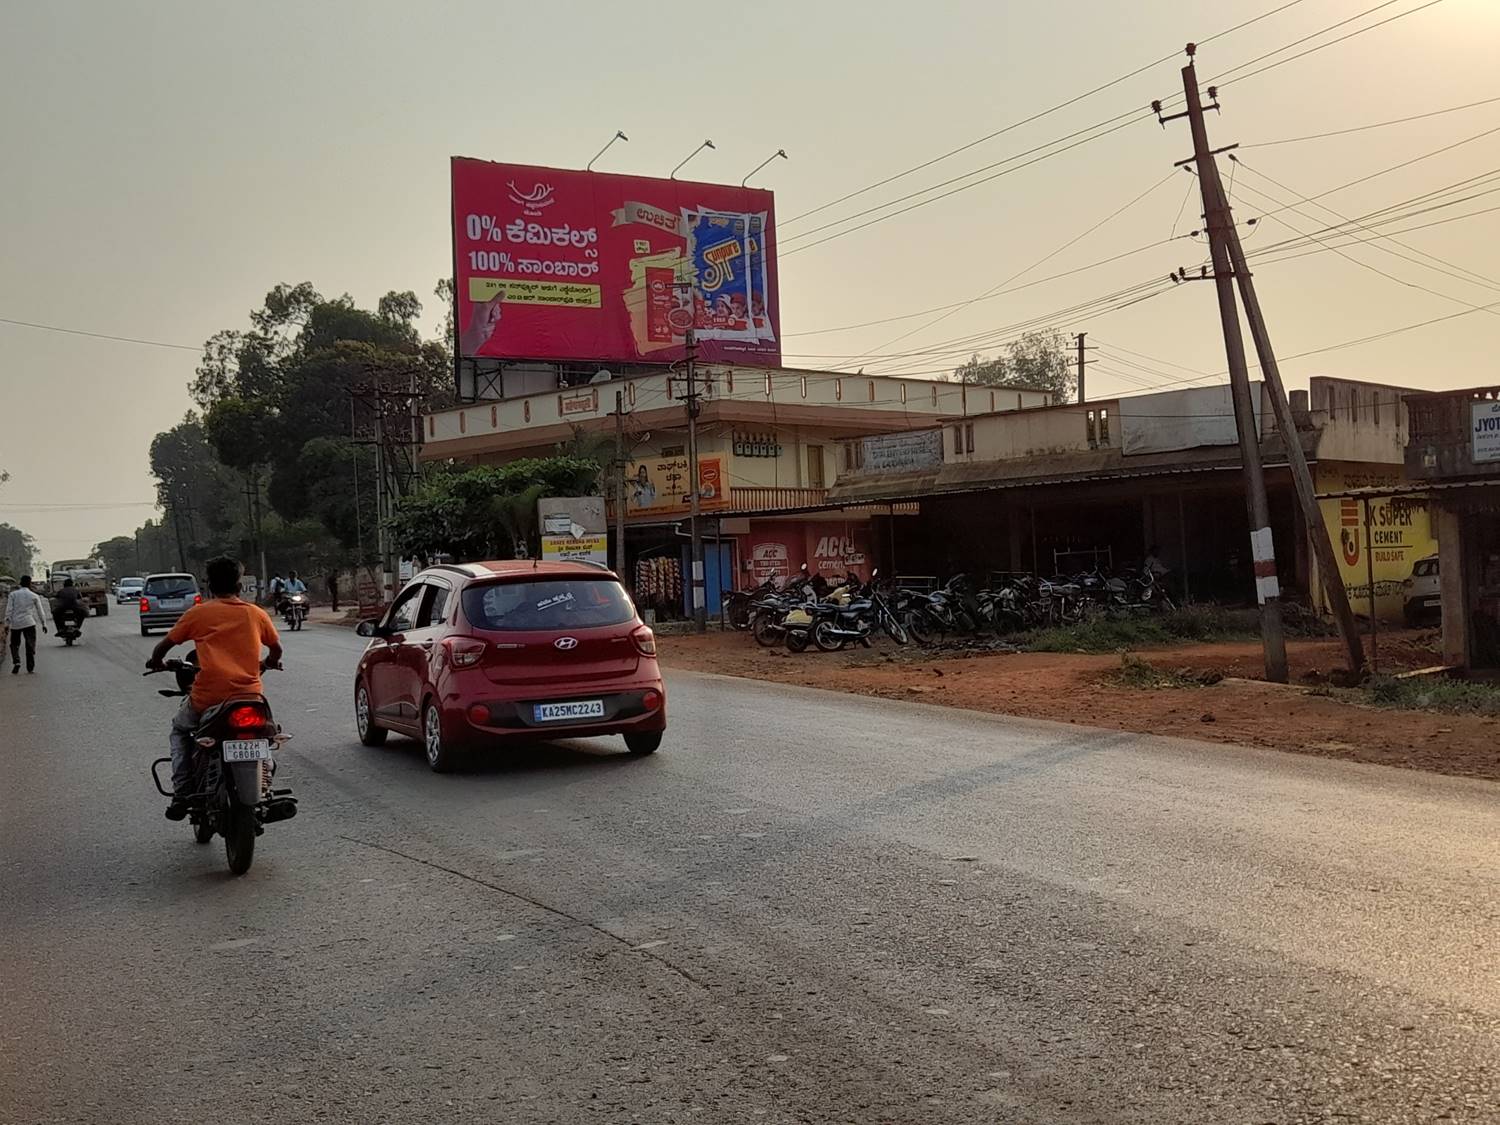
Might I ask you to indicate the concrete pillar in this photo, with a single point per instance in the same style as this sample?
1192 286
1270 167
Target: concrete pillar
1455 571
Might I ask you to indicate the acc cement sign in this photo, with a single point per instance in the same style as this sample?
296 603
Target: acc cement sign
1484 430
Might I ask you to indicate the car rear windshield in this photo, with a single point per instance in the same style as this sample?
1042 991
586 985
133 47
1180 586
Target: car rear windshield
557 603
1426 568
171 586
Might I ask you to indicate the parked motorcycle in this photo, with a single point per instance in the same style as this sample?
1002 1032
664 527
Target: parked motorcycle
836 624
739 605
294 610
232 767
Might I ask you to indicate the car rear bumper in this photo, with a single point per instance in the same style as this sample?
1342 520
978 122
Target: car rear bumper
161 620
625 711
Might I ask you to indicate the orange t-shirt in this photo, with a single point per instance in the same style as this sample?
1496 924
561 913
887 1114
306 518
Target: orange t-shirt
229 634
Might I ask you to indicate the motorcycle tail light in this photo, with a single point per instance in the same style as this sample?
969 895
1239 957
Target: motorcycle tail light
464 652
197 599
245 718
645 641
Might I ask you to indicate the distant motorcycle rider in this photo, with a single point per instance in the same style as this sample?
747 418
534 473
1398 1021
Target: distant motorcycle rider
229 634
69 606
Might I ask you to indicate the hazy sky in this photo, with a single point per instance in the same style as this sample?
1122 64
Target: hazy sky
164 164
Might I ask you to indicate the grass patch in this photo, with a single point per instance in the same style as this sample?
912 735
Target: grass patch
1134 672
1111 632
1454 697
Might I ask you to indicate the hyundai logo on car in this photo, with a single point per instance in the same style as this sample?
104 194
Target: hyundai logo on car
565 643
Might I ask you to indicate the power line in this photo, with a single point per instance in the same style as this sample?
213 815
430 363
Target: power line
100 335
1034 117
1372 125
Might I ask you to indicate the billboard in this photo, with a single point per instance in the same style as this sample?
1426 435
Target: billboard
659 486
554 264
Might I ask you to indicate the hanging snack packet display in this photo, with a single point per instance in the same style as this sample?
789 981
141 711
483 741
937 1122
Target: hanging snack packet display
760 282
718 249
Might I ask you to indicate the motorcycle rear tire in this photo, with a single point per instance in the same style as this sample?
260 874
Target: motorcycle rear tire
202 832
823 636
920 628
766 630
797 640
239 837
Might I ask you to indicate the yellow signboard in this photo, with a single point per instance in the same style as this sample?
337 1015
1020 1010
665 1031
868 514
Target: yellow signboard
1398 535
582 548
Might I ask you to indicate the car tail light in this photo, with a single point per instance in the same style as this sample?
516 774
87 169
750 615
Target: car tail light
145 605
464 652
651 701
479 713
645 641
245 719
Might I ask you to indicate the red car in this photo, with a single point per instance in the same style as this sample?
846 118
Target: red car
481 654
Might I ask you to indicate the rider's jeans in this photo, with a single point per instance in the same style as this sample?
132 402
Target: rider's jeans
183 725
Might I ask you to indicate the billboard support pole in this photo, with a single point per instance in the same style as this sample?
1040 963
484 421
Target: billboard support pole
619 475
700 605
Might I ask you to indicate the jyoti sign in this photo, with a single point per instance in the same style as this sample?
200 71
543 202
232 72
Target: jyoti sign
1484 430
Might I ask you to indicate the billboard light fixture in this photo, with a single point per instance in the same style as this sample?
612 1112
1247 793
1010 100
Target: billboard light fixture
781 152
619 136
695 152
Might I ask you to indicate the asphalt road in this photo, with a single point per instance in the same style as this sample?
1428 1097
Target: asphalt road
806 908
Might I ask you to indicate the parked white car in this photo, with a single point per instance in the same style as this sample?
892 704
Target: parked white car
1422 592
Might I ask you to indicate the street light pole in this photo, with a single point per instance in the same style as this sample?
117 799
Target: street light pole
700 606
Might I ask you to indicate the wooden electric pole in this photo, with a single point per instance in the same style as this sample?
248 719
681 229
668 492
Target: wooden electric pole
1220 228
700 606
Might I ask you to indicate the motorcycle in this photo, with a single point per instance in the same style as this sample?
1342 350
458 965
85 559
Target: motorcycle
233 764
852 620
739 605
69 624
294 610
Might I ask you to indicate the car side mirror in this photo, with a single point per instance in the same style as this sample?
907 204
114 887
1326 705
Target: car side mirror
367 629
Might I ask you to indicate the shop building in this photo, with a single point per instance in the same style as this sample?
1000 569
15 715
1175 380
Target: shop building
771 443
1453 457
1066 488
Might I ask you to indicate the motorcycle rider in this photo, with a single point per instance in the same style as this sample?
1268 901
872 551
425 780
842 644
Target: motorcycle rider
229 634
292 585
69 606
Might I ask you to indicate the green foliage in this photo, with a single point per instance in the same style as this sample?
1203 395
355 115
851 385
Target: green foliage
1040 360
483 513
1428 693
1134 672
18 549
1110 632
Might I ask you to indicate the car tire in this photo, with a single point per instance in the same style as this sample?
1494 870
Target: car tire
441 757
145 632
364 719
642 742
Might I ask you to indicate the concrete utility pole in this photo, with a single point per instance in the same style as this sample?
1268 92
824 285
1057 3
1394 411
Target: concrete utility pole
1307 500
700 606
1220 228
620 485
1081 361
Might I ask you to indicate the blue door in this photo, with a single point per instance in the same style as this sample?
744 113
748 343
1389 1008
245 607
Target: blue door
718 576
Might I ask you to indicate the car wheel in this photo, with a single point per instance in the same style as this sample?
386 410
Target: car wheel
440 756
641 743
145 632
364 719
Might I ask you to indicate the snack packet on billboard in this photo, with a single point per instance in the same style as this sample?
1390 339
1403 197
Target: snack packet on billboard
760 289
717 248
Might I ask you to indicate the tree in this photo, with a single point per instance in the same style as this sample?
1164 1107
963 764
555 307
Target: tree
118 555
17 549
1037 360
486 512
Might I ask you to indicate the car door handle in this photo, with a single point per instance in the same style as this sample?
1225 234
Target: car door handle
427 645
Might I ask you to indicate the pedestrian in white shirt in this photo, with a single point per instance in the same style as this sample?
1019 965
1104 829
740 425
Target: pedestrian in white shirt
25 612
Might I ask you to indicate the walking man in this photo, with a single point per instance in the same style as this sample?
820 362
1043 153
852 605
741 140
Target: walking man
25 611
333 589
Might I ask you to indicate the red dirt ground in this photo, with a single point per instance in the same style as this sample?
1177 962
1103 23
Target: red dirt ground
1076 688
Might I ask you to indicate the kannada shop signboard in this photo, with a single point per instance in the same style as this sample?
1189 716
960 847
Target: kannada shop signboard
659 486
560 265
579 548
